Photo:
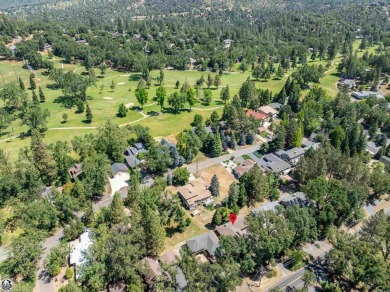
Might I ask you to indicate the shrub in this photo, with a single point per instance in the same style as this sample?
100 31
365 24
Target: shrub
69 274
271 274
180 176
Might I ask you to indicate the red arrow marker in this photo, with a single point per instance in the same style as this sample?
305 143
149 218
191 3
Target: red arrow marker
233 218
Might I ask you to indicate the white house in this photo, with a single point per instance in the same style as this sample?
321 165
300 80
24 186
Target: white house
78 254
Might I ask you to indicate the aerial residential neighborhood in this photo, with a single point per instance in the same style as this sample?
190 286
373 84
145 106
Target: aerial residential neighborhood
187 146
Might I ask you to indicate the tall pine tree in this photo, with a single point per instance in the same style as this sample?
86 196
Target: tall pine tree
41 95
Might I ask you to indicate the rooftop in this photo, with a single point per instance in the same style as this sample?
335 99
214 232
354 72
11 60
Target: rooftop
268 110
244 167
152 269
363 94
205 242
132 161
298 198
77 255
271 162
197 190
118 167
256 115
228 229
291 153
275 105
372 148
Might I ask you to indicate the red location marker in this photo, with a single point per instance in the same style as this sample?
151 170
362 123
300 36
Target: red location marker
233 218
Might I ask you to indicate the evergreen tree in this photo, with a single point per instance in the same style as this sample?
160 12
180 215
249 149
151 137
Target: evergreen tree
112 85
216 149
161 78
35 97
242 141
201 81
42 97
233 194
214 186
117 209
42 158
217 81
21 84
161 95
169 180
250 138
293 100
177 85
33 86
154 232
88 114
281 97
233 143
176 158
89 216
122 111
242 197
209 80
225 94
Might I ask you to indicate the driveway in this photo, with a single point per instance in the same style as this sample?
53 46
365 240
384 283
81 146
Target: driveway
118 182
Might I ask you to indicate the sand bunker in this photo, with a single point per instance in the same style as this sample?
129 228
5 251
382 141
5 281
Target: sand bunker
121 83
108 98
128 105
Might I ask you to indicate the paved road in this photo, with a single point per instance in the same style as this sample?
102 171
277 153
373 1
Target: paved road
294 280
212 161
296 277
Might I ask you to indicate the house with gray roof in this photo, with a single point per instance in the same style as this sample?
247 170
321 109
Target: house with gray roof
140 147
275 105
118 168
206 243
295 199
292 155
131 151
132 161
273 163
181 280
347 83
364 94
307 144
165 142
372 148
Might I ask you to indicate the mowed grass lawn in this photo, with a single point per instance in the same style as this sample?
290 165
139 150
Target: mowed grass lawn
105 104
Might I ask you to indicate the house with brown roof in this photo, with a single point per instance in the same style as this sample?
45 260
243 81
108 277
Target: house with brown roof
240 170
257 115
151 270
228 229
267 110
75 171
196 193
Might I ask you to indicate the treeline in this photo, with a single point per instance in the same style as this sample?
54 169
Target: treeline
263 37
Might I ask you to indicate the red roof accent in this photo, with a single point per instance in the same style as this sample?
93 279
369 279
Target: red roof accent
256 115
